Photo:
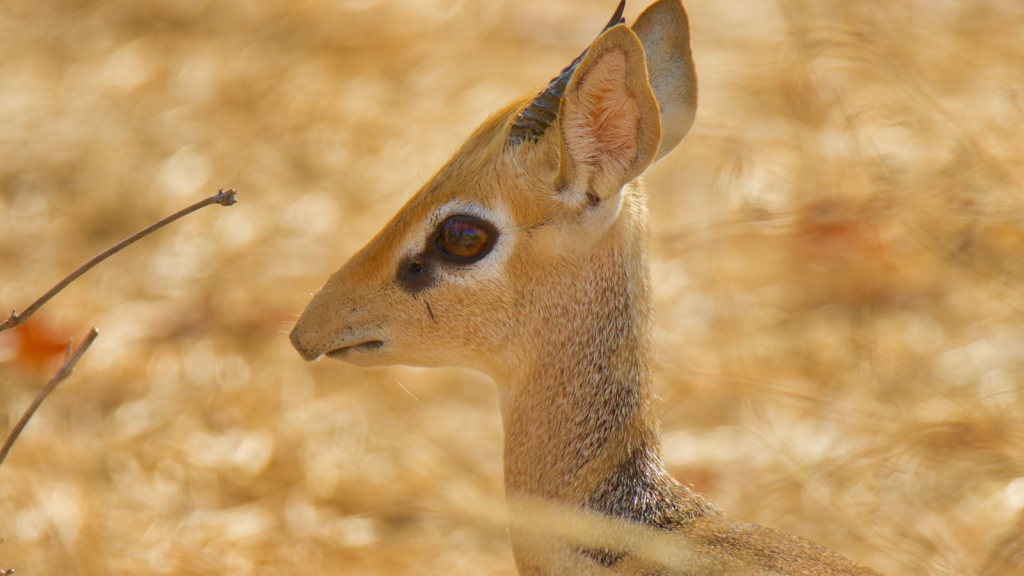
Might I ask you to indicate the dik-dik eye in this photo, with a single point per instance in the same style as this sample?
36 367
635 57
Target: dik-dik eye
465 239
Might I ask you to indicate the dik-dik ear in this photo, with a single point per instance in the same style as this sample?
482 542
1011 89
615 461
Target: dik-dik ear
664 31
608 119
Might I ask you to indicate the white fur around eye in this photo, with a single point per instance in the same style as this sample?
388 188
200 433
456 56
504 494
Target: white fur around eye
490 266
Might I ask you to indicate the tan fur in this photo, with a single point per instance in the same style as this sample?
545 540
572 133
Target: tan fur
559 313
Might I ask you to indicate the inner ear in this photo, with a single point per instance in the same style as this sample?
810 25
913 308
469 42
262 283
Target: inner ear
600 124
609 120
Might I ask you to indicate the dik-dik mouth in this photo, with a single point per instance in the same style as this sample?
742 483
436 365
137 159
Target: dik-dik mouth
340 353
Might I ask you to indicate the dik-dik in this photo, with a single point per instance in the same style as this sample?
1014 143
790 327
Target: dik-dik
525 257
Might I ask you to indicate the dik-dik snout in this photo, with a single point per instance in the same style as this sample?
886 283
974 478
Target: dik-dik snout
336 323
343 320
409 296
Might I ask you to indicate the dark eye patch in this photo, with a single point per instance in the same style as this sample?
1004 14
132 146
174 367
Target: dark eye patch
458 240
416 273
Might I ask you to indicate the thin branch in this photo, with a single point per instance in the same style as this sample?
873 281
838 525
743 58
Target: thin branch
223 197
66 370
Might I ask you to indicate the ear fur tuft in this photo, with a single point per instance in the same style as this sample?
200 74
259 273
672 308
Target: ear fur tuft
601 120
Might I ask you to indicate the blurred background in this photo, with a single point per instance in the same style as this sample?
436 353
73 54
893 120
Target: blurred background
838 258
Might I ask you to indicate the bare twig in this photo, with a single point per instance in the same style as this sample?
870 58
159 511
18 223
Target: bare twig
66 369
223 197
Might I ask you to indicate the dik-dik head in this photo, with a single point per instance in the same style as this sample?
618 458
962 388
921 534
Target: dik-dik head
510 225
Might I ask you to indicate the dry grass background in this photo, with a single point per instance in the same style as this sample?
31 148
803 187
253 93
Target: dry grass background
838 257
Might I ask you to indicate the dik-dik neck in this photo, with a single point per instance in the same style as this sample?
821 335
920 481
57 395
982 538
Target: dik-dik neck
580 427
